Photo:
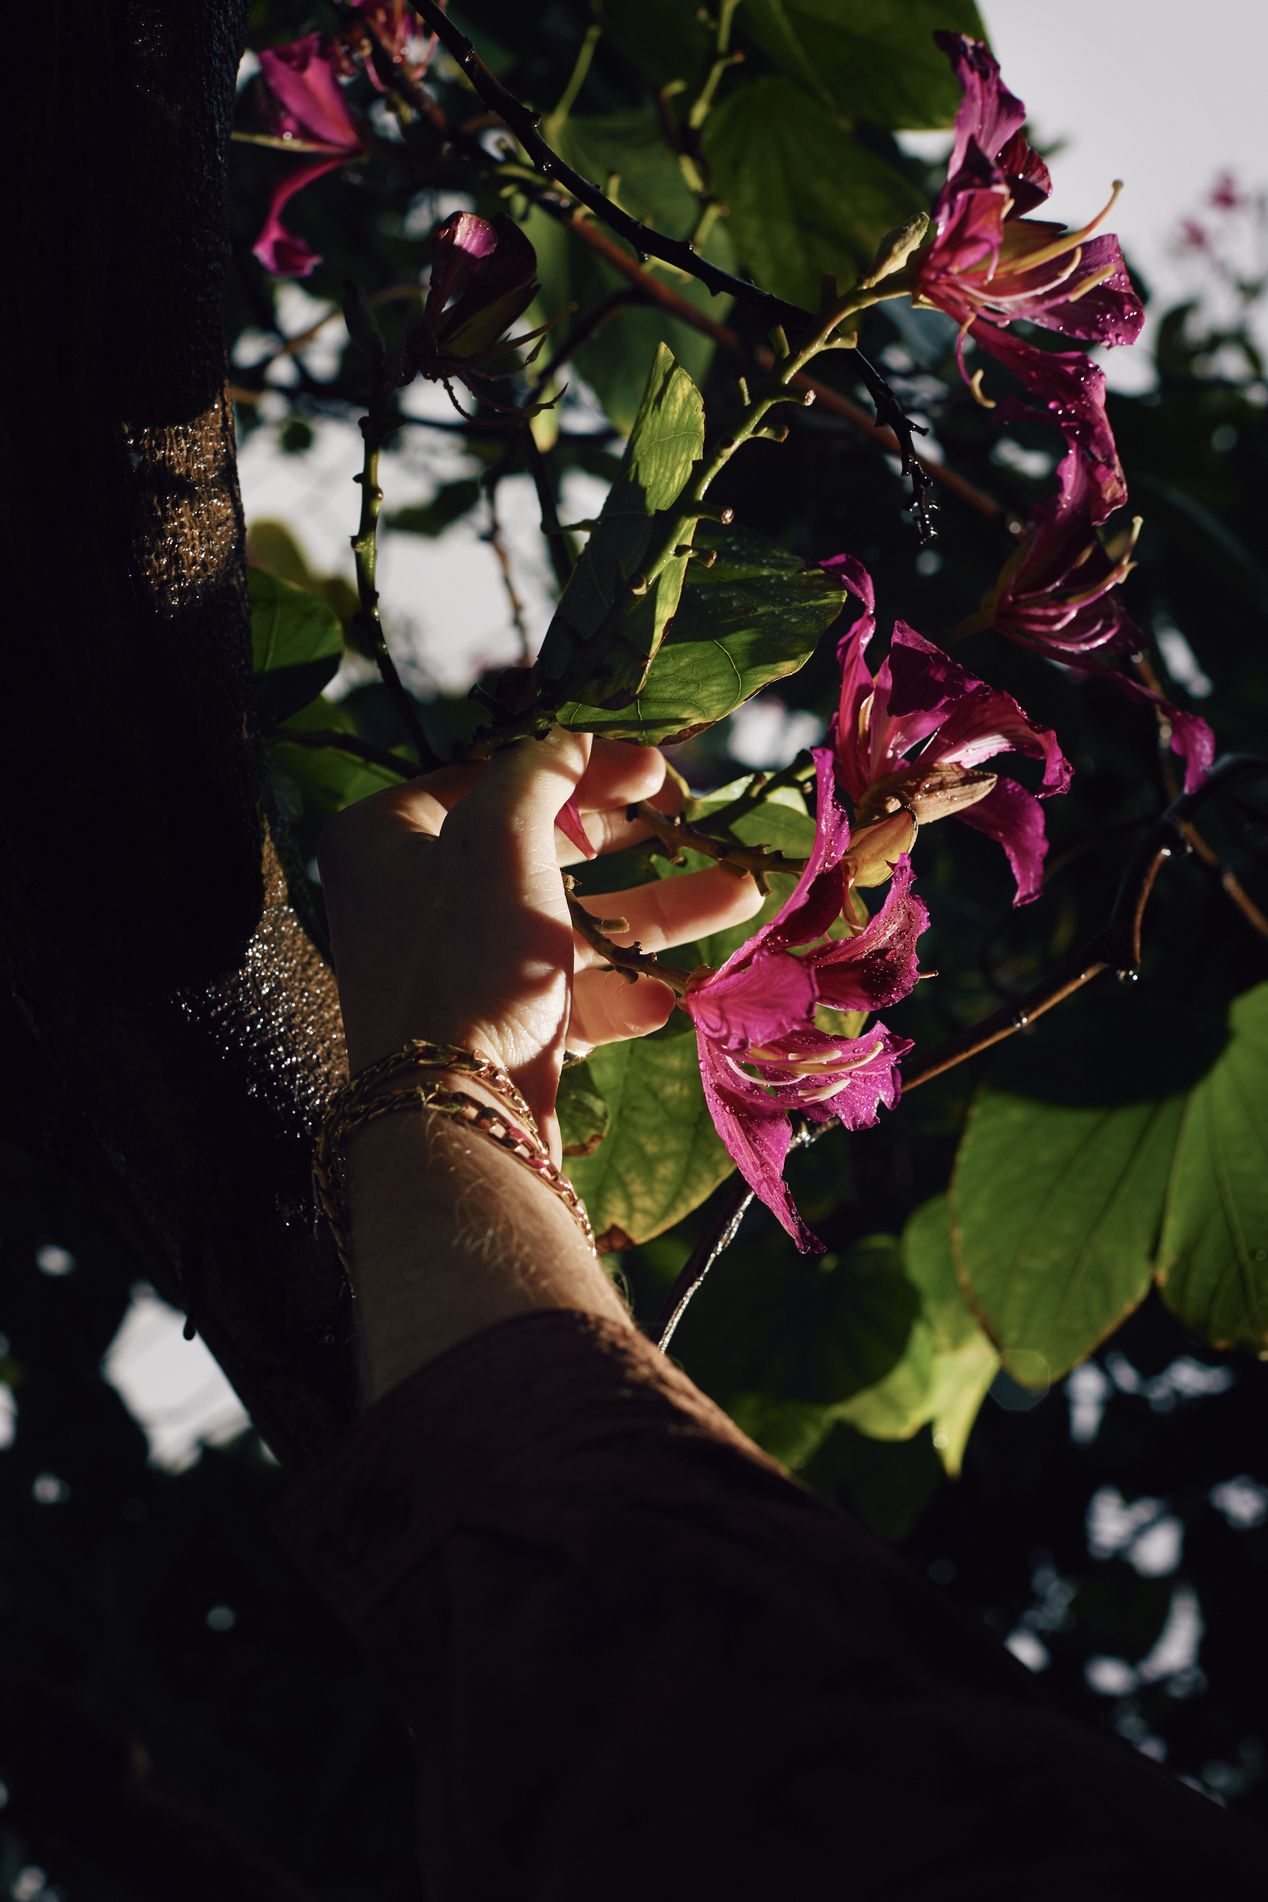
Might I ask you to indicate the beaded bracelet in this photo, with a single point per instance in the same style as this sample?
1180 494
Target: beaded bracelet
355 1106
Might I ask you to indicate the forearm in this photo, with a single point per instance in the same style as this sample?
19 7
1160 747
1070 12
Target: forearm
451 1234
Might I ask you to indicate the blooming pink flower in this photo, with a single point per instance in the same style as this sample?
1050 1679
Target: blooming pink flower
917 734
1226 193
303 79
1058 593
987 261
762 1055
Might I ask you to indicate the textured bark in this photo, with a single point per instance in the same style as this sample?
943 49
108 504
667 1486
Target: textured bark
187 1024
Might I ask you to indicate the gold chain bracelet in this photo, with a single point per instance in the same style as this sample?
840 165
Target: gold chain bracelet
356 1105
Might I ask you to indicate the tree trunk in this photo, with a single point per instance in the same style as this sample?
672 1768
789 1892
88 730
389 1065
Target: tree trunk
187 1027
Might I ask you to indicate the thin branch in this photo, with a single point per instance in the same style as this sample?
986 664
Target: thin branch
677 836
350 743
630 959
525 126
365 555
586 329
774 313
676 305
493 536
558 543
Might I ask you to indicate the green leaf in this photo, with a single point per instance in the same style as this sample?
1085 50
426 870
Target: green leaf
603 637
805 200
296 645
866 59
755 616
1055 1209
1213 1255
660 1157
585 1116
964 1362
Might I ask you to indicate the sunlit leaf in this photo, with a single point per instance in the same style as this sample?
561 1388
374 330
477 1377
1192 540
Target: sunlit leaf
755 616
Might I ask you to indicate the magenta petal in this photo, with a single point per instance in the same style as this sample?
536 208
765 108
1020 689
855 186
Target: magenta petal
279 249
879 965
755 1004
980 722
1071 388
1110 312
1013 817
989 115
815 901
870 1084
755 1139
302 80
1192 740
991 722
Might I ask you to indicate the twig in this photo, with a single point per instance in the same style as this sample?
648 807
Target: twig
774 313
761 786
631 959
558 544
365 555
493 536
586 329
350 743
833 401
677 835
1118 948
643 240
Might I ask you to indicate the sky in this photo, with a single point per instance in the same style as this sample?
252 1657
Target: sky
1159 93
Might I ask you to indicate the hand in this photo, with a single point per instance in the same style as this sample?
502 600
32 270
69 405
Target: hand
449 919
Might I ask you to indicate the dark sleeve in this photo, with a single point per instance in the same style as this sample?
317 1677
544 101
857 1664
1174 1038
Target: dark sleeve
640 1662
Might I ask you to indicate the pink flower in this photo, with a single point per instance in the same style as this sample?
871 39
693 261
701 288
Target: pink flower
1226 193
917 734
988 261
1058 593
303 79
762 1055
483 277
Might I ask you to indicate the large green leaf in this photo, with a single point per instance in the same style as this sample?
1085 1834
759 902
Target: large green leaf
1064 1211
805 199
1055 1209
603 637
660 1157
1213 1256
296 645
866 59
964 1362
753 617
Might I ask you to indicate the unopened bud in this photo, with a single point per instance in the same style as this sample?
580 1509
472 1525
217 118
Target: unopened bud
876 850
895 248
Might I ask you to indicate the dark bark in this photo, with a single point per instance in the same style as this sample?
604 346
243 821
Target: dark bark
187 1027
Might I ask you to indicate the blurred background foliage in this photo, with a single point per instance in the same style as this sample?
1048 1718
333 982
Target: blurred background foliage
169 1680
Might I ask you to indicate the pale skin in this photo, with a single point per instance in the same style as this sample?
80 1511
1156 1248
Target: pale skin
449 921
